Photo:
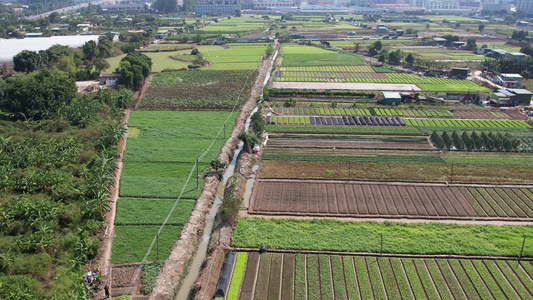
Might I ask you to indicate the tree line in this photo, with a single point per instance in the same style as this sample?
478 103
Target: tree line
474 141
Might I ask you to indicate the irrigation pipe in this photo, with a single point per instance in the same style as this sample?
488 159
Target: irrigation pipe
143 262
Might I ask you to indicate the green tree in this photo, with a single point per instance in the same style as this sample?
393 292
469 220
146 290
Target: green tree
378 45
410 59
269 50
249 139
90 50
133 69
395 56
471 43
357 46
27 61
481 27
38 95
100 64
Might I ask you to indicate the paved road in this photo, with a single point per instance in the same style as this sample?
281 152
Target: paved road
64 9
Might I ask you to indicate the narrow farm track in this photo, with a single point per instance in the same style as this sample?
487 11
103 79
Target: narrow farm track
390 201
326 276
104 252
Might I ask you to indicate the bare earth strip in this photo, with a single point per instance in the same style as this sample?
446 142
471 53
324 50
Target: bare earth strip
364 200
347 144
345 86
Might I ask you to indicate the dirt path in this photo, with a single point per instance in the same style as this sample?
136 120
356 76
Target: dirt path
168 280
102 260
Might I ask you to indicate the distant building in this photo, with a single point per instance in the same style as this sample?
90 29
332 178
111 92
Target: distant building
382 29
123 6
459 72
210 7
391 98
511 97
509 80
264 4
525 6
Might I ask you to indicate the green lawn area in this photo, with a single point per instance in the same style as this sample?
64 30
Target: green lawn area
420 238
236 57
132 242
143 211
160 61
298 55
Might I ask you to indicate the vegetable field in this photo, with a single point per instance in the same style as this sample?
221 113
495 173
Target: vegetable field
298 55
162 148
353 111
386 237
460 124
338 121
343 199
197 90
348 73
311 276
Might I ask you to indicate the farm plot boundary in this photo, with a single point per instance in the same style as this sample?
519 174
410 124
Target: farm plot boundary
352 199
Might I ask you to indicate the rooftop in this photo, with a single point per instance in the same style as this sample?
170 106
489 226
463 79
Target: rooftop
392 95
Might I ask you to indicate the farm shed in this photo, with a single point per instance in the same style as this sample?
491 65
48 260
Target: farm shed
439 41
523 96
108 79
498 53
391 98
459 72
458 44
517 55
382 29
509 80
501 99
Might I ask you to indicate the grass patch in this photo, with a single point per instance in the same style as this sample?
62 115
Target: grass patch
158 180
132 242
135 211
430 238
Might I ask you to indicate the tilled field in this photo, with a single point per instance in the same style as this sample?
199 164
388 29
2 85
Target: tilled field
336 144
311 276
350 199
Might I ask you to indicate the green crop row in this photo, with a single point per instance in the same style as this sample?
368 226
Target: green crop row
345 111
345 129
419 238
236 279
468 123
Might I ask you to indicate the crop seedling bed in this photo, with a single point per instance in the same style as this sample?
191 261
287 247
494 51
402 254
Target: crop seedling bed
391 200
236 278
416 238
